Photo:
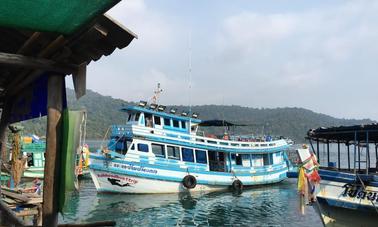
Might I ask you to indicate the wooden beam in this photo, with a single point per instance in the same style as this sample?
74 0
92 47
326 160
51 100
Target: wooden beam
53 149
29 43
17 60
79 80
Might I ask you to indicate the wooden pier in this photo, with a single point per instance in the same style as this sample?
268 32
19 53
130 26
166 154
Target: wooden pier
36 54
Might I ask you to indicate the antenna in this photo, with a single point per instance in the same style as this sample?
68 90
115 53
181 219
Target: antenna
157 93
190 80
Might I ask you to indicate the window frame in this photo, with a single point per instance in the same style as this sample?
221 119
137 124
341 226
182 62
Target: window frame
184 150
176 150
162 153
197 159
143 144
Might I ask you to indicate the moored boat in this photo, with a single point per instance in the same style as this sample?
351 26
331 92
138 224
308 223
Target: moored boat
161 152
348 194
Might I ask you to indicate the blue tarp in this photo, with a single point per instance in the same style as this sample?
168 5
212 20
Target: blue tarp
32 101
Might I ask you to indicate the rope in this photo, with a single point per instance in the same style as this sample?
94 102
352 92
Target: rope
103 139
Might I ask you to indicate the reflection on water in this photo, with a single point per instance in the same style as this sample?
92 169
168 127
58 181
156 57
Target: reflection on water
259 206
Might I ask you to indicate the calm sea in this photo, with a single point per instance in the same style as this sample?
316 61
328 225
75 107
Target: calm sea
273 205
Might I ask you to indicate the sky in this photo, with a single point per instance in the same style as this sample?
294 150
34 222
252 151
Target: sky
319 55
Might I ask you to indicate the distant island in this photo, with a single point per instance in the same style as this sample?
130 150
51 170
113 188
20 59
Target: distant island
290 122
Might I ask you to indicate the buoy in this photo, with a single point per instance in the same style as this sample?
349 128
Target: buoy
237 185
189 181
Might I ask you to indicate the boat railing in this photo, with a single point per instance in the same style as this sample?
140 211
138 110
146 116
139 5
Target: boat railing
131 129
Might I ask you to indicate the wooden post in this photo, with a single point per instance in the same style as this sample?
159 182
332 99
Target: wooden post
53 147
4 122
328 153
317 150
348 156
338 155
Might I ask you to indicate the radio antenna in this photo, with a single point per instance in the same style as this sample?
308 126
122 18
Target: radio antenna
190 80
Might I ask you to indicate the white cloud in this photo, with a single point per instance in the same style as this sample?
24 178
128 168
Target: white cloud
155 32
260 58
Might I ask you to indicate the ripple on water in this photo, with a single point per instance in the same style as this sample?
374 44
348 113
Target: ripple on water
274 205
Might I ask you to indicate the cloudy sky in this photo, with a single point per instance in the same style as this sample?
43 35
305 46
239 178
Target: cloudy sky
320 55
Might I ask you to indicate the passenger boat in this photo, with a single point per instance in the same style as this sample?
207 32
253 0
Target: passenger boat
348 194
161 152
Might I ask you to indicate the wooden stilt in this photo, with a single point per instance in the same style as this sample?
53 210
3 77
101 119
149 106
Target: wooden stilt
4 122
53 147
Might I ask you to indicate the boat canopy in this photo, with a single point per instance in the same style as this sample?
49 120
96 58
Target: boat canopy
218 123
345 134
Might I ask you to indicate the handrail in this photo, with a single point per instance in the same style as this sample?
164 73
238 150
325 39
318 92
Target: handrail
205 140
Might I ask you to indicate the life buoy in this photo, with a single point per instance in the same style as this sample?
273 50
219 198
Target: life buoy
237 185
189 182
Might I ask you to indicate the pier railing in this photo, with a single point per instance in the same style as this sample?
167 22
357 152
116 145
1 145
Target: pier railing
130 130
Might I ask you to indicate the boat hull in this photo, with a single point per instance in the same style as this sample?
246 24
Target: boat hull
134 184
120 176
344 204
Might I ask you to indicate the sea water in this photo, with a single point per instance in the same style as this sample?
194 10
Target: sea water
270 205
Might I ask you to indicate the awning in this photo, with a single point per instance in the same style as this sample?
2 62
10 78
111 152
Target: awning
218 123
345 134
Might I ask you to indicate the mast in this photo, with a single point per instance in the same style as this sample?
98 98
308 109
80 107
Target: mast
190 81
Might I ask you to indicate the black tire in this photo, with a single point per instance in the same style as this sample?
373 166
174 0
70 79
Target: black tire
237 186
189 182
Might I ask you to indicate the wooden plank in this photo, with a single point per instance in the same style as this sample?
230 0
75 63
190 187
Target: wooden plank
16 196
53 147
17 60
23 213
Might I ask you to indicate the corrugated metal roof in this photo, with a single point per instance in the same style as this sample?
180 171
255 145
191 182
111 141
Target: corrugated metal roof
92 41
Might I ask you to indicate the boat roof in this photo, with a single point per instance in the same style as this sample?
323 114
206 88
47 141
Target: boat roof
159 113
345 134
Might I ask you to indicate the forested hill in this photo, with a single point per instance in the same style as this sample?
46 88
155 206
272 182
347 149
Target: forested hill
289 122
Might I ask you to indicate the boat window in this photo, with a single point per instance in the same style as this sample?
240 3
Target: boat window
158 150
173 152
148 119
122 145
257 160
246 160
268 159
238 160
143 147
129 118
176 123
183 124
187 155
201 156
137 115
167 122
157 120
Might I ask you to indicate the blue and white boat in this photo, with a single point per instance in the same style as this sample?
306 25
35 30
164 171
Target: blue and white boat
348 194
161 152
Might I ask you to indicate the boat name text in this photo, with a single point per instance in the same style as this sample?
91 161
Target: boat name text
357 191
135 168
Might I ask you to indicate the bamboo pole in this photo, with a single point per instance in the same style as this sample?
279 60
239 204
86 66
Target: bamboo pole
53 146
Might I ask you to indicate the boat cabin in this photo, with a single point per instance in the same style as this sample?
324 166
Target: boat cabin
154 117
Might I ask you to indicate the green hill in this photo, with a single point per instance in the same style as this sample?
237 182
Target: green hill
289 122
